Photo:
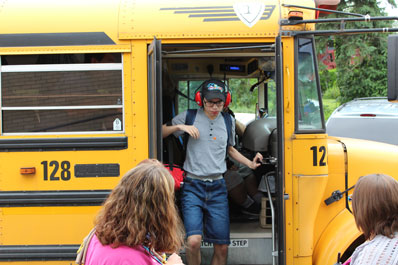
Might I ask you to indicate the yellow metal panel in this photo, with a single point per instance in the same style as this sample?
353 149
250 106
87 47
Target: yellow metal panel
47 16
307 13
310 154
128 95
307 199
336 181
337 237
176 19
376 158
336 234
126 19
68 225
11 179
288 90
302 261
310 176
139 100
46 225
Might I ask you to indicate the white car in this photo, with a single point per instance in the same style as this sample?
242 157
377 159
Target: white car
373 119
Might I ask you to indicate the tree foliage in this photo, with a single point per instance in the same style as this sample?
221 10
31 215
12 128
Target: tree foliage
361 59
242 99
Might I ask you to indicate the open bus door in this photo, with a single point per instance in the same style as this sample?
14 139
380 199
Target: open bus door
155 100
279 254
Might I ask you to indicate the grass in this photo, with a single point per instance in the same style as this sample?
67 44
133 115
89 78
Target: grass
329 105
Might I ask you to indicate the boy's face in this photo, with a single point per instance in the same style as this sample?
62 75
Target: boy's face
213 107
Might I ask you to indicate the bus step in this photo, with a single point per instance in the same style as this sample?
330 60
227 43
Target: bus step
250 244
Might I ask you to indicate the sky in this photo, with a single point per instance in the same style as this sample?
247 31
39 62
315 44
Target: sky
391 11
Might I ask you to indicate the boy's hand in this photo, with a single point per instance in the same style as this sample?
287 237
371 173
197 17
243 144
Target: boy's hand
256 162
191 130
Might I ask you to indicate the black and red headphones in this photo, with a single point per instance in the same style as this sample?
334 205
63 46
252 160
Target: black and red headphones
199 94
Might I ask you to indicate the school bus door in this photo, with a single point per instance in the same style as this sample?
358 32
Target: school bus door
155 100
280 172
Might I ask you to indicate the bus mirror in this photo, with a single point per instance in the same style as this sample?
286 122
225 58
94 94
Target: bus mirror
392 66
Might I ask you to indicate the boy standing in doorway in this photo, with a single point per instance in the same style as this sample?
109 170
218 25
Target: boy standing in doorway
204 195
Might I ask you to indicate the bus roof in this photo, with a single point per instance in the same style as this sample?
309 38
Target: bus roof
114 21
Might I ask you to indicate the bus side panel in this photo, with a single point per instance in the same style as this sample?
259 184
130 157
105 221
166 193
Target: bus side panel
46 225
309 181
57 204
336 181
63 170
338 236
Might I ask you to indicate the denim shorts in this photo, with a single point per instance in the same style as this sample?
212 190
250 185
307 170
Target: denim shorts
205 209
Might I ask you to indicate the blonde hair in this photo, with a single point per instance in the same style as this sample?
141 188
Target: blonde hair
375 205
140 210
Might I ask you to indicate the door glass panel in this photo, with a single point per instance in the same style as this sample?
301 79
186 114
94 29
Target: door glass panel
308 102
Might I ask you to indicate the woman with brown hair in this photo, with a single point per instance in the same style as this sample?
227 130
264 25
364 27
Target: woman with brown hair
139 221
375 208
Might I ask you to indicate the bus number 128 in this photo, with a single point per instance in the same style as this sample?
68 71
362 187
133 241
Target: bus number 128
54 167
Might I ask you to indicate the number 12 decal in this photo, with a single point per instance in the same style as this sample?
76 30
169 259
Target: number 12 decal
322 149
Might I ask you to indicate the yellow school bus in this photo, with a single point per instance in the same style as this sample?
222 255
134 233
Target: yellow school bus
86 85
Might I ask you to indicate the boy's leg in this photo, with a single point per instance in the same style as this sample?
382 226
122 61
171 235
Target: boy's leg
193 249
216 220
192 211
220 255
235 186
251 186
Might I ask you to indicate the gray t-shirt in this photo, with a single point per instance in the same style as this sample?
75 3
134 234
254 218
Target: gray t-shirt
205 157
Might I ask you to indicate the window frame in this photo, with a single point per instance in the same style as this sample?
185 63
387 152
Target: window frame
297 130
29 68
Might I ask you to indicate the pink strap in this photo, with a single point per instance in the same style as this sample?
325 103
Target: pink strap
347 262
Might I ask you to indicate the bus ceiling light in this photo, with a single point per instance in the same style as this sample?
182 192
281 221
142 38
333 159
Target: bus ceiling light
27 170
295 15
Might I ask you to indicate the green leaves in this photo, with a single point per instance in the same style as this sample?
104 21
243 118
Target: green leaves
361 59
242 99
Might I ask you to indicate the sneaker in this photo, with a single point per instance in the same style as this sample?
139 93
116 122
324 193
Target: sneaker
253 210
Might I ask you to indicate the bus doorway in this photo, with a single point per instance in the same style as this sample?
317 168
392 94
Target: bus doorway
249 70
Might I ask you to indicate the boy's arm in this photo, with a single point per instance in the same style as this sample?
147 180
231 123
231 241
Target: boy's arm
167 130
256 162
190 129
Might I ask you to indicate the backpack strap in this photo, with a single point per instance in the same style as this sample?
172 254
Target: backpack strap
170 152
228 125
190 116
82 251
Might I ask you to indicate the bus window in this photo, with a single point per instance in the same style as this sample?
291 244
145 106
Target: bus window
61 93
188 89
271 97
307 103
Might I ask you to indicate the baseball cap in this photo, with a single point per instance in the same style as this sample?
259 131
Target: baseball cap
214 89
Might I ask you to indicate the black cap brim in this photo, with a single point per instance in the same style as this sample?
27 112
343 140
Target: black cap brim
215 95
